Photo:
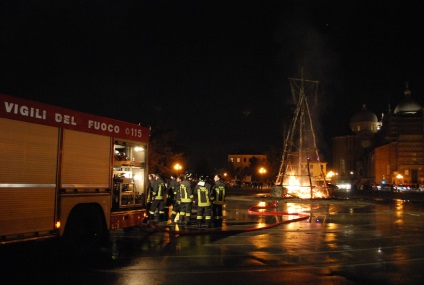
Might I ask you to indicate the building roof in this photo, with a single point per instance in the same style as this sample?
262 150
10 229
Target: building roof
408 105
364 116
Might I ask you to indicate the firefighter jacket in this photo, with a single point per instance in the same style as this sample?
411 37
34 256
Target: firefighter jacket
186 192
177 193
158 189
204 195
218 191
172 190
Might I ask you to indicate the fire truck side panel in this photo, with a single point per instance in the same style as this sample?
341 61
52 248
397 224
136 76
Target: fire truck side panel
86 160
85 173
27 179
27 212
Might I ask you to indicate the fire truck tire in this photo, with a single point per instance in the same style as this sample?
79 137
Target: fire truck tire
85 229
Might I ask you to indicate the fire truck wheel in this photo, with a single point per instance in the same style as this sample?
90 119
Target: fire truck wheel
85 229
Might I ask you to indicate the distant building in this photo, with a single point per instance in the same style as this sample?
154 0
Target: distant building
388 151
400 160
241 162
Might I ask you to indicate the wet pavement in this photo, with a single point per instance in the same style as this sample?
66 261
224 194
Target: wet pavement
365 238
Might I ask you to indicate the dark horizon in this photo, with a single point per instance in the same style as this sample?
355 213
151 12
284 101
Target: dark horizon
215 74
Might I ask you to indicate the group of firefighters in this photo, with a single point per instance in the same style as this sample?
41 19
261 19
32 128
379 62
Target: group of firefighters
181 193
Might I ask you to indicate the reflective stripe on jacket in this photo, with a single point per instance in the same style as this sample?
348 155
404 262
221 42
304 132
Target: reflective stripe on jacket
186 192
203 197
219 194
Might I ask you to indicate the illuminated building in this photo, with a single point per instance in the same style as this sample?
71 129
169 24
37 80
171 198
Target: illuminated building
378 151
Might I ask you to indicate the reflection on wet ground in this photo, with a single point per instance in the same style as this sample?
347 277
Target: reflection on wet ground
345 240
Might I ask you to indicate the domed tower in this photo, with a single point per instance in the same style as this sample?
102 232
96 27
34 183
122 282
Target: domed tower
364 120
403 151
406 118
408 105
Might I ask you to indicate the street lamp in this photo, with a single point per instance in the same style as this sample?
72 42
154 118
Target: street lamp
178 168
262 171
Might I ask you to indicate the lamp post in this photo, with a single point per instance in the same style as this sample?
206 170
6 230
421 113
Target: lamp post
262 171
178 168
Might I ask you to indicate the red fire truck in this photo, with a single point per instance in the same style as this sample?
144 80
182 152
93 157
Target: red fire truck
68 174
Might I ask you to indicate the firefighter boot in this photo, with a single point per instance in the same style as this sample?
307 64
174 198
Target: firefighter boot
187 220
199 223
208 224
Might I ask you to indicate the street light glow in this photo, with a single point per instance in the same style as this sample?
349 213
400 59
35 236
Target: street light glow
262 171
178 167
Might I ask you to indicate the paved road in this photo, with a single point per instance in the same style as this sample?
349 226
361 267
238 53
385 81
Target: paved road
366 238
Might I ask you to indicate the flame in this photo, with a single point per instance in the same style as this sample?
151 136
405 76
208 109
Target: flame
303 190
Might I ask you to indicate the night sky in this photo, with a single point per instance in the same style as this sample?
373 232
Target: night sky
215 72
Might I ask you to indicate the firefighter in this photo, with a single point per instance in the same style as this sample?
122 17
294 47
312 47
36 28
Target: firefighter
149 190
176 207
170 198
158 191
186 193
218 191
204 198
